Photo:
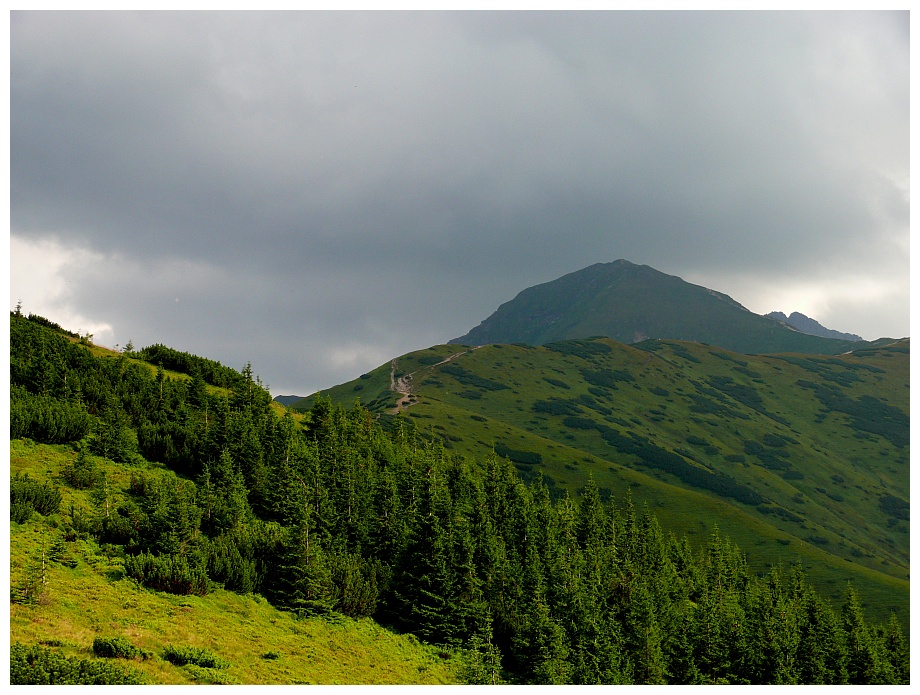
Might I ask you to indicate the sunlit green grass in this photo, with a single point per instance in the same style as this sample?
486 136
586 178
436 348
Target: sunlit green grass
93 599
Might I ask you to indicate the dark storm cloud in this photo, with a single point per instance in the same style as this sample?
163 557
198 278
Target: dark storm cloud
328 190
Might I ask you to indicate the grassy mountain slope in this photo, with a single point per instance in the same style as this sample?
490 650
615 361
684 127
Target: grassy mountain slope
631 303
792 456
87 595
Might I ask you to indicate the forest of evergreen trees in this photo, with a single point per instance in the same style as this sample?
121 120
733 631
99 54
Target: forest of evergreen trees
336 514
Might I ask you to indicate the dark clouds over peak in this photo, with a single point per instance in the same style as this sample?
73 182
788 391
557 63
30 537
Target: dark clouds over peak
329 190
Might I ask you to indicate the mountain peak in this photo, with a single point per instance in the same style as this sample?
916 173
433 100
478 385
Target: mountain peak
630 303
803 323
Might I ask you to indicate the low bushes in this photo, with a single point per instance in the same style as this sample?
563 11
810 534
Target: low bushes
170 573
35 665
181 656
28 495
116 648
47 419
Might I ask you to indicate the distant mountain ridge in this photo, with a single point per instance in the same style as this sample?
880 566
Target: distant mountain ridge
631 303
287 400
803 323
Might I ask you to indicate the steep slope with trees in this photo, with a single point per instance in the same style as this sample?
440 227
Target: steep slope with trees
189 489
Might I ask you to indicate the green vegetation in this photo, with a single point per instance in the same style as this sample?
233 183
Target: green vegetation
470 379
35 665
230 544
180 656
210 371
705 443
28 495
116 648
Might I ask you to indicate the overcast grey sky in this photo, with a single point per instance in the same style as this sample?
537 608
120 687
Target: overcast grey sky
317 193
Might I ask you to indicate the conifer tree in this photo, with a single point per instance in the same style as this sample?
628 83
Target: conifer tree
230 507
898 650
867 664
470 613
543 648
482 664
643 638
301 580
821 655
425 584
112 437
771 633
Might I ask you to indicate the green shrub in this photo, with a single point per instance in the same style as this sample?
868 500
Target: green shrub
868 414
770 458
681 351
774 440
528 458
471 395
428 360
746 395
556 406
82 473
894 507
579 423
20 512
115 648
468 378
46 419
170 573
355 584
35 665
586 348
43 498
606 378
227 565
211 371
180 656
586 400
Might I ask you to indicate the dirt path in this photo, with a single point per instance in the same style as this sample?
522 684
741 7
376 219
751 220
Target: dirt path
403 385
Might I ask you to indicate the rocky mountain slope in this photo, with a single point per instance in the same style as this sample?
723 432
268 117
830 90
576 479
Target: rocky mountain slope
803 323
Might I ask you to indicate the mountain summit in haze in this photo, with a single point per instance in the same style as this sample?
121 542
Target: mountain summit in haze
631 303
803 323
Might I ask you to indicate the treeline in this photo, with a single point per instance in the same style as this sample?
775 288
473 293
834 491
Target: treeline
42 321
338 515
211 371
